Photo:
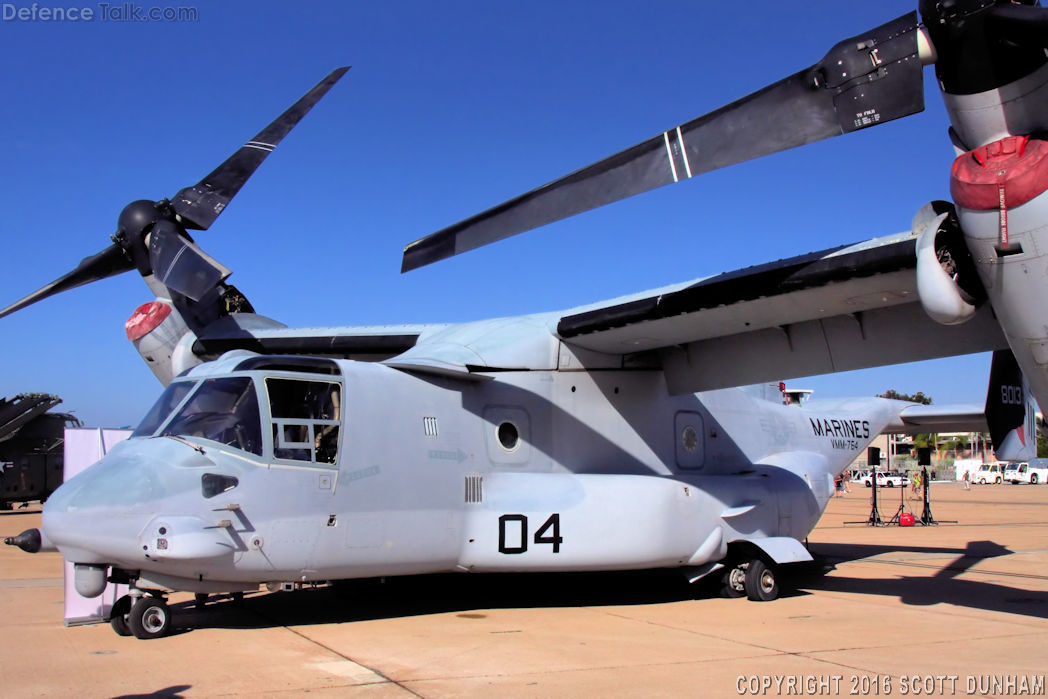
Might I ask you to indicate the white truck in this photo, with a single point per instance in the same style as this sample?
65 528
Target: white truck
1034 472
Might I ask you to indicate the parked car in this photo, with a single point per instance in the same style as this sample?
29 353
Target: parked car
858 476
886 480
990 473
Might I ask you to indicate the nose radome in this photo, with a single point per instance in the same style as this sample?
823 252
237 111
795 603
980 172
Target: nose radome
97 516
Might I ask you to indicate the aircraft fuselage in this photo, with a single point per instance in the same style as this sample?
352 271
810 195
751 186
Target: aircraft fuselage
363 470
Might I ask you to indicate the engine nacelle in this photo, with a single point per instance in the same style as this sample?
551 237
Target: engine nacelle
947 283
161 336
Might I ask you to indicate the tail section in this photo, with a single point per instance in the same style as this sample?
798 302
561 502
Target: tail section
1010 410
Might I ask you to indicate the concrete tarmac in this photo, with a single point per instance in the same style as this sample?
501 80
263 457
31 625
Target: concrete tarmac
949 610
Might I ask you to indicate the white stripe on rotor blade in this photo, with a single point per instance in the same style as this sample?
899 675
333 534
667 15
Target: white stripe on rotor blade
683 152
669 154
268 147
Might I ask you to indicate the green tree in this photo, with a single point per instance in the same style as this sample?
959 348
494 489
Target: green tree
917 397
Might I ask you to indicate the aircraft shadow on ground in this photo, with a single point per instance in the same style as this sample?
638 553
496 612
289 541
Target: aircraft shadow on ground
172 692
471 595
944 586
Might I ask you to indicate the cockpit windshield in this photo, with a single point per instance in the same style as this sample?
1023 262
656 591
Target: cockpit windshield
167 402
223 410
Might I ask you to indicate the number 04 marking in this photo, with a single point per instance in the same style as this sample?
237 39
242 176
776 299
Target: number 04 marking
519 538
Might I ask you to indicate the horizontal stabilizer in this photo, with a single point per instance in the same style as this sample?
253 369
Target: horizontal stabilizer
941 418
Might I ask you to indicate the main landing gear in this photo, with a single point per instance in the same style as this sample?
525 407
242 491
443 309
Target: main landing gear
754 578
142 615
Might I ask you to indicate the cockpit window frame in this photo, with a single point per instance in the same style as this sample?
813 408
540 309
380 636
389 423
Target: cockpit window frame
267 420
172 411
278 425
240 435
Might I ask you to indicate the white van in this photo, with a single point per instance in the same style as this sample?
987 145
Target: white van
990 473
1011 471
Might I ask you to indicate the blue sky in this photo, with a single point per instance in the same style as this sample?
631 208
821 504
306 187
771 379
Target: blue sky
450 108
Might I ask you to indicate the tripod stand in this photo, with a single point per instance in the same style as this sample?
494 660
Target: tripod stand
875 514
927 519
873 460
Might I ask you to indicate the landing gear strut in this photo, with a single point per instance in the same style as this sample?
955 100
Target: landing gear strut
733 582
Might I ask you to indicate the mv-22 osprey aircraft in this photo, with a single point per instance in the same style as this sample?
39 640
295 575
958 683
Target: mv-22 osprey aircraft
642 432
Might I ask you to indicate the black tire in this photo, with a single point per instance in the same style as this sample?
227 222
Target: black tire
118 616
998 481
868 484
890 484
149 618
733 582
1033 479
761 584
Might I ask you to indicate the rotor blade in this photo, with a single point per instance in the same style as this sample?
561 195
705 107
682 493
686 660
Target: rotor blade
863 81
108 263
201 204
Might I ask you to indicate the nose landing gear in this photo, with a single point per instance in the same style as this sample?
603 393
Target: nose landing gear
144 616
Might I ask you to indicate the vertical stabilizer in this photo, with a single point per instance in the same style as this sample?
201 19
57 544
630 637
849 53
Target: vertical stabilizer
1010 410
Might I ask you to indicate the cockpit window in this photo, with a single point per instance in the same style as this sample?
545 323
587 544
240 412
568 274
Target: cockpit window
306 417
167 402
222 410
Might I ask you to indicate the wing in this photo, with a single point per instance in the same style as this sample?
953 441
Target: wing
364 343
846 308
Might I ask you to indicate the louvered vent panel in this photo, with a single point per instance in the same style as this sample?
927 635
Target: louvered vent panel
474 488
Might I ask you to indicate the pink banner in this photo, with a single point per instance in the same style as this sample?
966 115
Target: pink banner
83 447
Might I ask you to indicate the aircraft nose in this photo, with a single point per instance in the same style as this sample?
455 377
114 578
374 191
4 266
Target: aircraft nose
98 515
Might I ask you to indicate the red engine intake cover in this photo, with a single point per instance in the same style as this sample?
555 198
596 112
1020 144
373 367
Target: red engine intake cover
145 319
1000 175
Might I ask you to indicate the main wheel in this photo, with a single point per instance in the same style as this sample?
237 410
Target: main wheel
998 481
761 585
118 616
149 618
890 484
733 582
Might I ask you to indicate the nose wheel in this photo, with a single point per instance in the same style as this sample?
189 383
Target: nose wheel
145 617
